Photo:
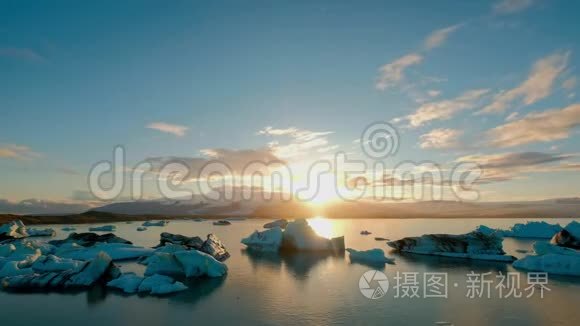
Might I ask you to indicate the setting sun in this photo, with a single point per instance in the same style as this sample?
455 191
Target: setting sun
322 226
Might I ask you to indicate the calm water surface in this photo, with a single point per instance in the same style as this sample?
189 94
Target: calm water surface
305 289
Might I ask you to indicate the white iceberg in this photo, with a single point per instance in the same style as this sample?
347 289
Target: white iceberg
372 256
127 282
281 223
533 229
53 263
141 229
299 236
269 240
197 263
48 232
117 251
104 228
153 223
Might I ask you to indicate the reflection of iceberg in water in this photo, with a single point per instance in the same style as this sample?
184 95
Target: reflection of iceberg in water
440 263
199 289
298 264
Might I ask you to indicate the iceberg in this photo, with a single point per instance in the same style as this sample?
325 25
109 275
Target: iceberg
7 249
281 223
48 232
532 230
13 268
178 239
488 231
299 236
127 282
53 263
141 229
365 232
269 240
196 263
153 223
160 285
104 228
222 222
215 248
99 269
116 251
372 256
568 237
68 228
551 263
89 239
13 230
164 264
474 245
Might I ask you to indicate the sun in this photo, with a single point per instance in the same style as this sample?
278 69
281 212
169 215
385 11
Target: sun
322 226
326 191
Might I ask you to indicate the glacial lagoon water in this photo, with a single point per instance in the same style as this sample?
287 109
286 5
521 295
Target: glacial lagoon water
306 289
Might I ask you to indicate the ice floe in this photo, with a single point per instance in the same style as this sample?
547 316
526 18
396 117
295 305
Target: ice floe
365 232
88 239
155 223
141 229
178 239
117 251
127 282
533 229
474 245
197 263
51 263
568 237
104 228
222 222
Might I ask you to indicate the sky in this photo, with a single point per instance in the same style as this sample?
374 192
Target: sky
489 82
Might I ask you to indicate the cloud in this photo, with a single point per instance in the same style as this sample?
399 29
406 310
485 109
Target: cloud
434 93
510 166
536 127
236 160
445 109
506 7
441 138
537 86
393 73
438 37
37 206
569 83
17 152
21 53
176 130
302 141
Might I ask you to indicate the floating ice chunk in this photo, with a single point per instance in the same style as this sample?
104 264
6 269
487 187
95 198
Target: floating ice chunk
372 256
381 239
533 229
127 282
13 230
551 263
13 268
197 263
222 222
141 229
154 223
53 263
171 248
215 248
7 249
88 239
574 229
365 232
544 248
104 228
269 240
488 231
474 245
92 272
281 223
161 284
48 232
68 228
300 236
117 251
163 264
178 239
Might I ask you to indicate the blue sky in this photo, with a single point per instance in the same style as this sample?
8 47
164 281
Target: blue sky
78 78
